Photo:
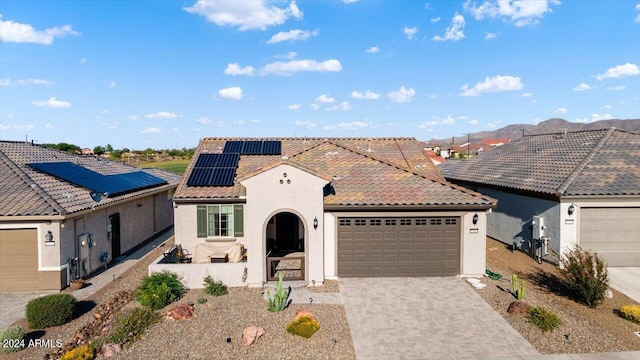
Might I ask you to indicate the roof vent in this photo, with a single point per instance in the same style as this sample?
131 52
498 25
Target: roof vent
369 145
561 134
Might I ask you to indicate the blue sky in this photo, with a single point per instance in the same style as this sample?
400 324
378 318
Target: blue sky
164 74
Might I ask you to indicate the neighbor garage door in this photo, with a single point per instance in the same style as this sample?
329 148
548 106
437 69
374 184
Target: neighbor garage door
613 233
416 246
18 260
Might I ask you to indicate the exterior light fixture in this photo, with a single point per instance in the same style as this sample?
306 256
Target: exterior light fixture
572 209
475 219
48 239
315 223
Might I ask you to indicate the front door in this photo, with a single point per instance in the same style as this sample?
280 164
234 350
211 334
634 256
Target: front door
285 252
114 222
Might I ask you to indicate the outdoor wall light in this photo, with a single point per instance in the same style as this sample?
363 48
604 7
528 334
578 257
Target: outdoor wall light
48 239
572 209
475 219
315 223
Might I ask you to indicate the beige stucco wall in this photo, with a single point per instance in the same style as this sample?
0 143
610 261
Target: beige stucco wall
266 197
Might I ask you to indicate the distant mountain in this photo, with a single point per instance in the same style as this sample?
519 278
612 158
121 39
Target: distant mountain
546 127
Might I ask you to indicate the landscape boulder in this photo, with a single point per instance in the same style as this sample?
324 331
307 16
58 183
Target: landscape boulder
251 334
181 311
518 307
109 350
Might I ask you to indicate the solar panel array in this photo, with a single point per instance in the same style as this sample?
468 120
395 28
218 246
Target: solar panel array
108 185
253 147
214 170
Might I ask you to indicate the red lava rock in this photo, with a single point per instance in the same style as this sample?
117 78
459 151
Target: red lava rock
180 311
518 307
251 334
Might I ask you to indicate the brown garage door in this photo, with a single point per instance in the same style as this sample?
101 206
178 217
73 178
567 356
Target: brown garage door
416 246
613 233
18 260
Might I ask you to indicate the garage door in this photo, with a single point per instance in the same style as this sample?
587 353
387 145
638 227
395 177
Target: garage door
18 260
381 247
613 233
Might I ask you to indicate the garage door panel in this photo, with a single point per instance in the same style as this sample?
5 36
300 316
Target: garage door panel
614 233
18 260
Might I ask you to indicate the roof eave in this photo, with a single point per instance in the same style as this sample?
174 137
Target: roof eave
456 207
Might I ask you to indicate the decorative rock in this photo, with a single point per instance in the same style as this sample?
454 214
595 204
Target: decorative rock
304 313
109 350
518 307
608 294
251 334
180 311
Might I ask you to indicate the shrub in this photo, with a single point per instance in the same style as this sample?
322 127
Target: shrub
12 339
130 326
545 320
85 352
631 312
585 276
215 288
159 290
50 310
303 326
280 299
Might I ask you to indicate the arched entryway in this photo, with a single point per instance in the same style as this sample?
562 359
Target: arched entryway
285 238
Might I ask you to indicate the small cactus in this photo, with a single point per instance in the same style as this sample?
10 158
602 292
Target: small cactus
514 283
520 294
280 299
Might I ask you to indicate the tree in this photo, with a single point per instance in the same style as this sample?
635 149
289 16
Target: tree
108 148
99 150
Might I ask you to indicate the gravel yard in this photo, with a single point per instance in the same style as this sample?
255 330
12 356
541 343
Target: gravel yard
584 330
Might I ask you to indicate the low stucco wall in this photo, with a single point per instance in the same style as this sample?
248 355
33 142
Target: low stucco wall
192 275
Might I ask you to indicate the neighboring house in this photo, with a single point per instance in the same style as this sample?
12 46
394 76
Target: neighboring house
86 151
566 188
467 150
435 158
495 142
64 215
327 208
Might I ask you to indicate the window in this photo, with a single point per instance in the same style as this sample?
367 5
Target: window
220 221
451 221
421 221
361 222
345 222
375 222
435 221
390 222
405 222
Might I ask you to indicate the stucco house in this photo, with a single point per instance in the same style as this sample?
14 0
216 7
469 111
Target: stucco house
325 208
557 190
65 215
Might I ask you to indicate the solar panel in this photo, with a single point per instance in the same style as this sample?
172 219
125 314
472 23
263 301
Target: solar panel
217 160
233 147
272 147
110 185
211 177
252 147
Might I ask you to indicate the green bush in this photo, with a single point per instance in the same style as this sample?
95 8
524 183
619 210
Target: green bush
12 339
159 290
304 326
545 320
80 353
215 288
585 276
129 326
50 310
631 312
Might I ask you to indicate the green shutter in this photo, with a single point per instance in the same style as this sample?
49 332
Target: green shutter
238 220
202 221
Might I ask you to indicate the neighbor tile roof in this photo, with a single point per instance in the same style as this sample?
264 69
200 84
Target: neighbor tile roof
364 172
594 162
27 192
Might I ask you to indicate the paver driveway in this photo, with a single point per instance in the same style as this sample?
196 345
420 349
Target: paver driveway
425 318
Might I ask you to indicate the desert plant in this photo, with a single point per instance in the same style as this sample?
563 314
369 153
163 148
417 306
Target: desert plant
631 312
159 290
202 300
12 339
585 275
215 288
520 292
130 326
514 283
280 299
304 326
50 310
85 352
545 320
517 289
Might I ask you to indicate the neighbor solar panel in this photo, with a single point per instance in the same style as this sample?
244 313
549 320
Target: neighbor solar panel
111 185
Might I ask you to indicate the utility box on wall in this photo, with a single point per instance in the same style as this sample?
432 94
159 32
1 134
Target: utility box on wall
537 226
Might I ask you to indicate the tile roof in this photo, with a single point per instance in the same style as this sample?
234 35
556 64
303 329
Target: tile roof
594 162
364 172
27 192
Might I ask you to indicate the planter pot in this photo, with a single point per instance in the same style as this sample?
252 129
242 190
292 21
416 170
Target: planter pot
76 284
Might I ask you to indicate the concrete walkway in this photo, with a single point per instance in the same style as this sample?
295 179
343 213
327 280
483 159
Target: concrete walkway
626 280
12 305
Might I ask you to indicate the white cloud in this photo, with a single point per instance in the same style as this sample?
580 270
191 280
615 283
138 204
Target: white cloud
151 130
473 122
204 120
453 32
294 66
294 106
410 32
132 117
462 117
493 124
497 83
433 96
620 71
106 111
332 108
449 120
231 93
582 87
234 69
490 36
527 95
345 105
350 1
353 125
292 35
616 88
314 106
637 19
606 107
25 82
325 99
373 50
48 126
247 15
83 61
112 85
306 124
17 127
15 32
368 95
289 55
402 95
52 102
560 110
595 117
162 115
435 20
239 122
518 12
